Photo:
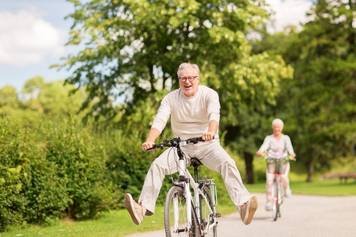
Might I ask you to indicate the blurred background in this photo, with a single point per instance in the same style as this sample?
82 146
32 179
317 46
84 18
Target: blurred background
81 82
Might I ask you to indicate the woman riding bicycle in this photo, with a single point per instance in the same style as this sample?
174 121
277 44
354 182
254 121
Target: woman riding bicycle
194 111
276 146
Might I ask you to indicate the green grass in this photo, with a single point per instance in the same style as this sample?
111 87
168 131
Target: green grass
118 223
110 224
323 188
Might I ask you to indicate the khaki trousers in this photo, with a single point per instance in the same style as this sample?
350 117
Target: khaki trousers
211 154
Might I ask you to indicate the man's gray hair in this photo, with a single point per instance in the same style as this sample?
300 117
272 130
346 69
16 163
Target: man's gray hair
183 66
277 121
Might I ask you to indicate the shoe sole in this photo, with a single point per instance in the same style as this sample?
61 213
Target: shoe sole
250 210
129 206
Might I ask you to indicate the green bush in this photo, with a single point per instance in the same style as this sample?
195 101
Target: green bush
44 191
80 161
11 203
127 164
49 169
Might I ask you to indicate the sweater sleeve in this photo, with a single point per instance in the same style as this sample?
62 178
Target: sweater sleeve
213 107
162 115
265 145
289 146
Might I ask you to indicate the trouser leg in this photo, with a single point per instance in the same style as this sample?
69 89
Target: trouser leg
269 181
216 158
163 165
285 178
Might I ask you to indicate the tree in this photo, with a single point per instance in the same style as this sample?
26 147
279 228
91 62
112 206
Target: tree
8 100
132 48
51 98
319 103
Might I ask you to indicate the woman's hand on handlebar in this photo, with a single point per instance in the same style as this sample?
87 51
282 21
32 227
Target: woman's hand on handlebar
208 136
261 154
147 145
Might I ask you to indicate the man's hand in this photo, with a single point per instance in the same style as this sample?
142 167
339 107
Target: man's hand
292 158
208 136
151 138
147 145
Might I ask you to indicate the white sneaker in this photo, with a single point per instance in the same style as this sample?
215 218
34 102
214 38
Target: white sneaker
269 206
136 211
288 193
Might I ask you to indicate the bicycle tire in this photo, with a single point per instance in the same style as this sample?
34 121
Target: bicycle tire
275 208
176 192
204 219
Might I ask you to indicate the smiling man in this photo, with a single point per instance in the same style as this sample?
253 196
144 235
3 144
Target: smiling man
194 111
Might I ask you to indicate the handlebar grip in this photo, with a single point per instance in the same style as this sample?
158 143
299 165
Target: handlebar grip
152 148
155 146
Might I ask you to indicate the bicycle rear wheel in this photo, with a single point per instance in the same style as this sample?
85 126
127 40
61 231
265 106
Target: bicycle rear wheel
175 215
205 214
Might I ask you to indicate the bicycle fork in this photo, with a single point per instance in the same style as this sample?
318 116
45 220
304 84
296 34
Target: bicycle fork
188 197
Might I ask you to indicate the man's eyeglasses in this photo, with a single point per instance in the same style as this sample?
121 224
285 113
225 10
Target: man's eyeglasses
190 79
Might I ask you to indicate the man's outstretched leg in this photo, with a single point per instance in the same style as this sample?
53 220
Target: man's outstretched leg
248 209
136 211
164 165
216 158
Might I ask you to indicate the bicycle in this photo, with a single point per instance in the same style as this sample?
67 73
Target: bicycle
186 214
277 186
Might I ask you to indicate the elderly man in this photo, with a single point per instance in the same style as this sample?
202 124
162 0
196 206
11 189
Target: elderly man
277 146
194 111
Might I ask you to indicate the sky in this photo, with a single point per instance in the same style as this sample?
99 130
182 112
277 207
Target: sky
33 34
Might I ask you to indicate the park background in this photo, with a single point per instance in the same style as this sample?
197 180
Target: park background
70 147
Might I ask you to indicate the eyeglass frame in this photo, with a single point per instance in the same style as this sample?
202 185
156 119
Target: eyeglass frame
189 78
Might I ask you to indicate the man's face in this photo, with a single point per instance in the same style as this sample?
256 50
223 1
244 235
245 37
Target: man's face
189 81
277 129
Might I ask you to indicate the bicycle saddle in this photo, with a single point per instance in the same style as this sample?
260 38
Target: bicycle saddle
195 162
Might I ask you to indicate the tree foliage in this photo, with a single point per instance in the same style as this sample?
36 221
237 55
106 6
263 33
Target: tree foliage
132 49
320 103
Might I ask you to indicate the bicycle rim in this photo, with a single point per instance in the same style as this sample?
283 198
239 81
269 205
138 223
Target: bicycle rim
175 217
205 219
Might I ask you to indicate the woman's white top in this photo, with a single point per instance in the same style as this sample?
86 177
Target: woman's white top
277 147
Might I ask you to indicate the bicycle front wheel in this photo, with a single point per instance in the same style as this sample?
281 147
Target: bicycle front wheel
275 207
175 215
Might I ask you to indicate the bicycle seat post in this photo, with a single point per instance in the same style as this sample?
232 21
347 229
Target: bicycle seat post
195 163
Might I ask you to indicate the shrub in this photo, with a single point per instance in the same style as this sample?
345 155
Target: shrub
80 161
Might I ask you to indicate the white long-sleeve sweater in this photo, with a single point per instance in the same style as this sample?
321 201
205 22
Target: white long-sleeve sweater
190 116
277 148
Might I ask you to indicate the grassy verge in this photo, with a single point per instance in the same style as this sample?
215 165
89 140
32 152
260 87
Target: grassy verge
118 223
323 188
110 224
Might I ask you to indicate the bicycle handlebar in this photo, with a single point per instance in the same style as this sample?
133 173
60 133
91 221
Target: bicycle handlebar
175 142
288 158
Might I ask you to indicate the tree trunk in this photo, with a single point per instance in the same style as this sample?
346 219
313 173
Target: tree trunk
310 171
249 167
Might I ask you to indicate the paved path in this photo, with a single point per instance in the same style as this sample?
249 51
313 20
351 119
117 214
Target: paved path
301 216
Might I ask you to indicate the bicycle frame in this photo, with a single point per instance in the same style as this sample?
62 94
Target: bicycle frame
277 183
192 184
188 182
192 191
